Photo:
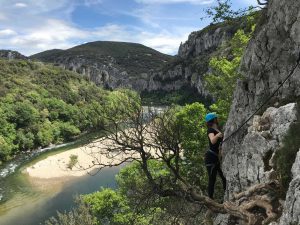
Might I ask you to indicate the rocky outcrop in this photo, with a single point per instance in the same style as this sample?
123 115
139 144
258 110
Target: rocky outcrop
207 40
271 56
193 57
8 54
252 162
291 211
104 73
110 64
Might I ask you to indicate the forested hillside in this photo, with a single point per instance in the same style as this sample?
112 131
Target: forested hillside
42 105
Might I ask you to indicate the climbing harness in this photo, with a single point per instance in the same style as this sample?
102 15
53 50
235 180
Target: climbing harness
265 102
212 152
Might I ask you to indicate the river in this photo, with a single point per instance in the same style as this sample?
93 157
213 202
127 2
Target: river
23 202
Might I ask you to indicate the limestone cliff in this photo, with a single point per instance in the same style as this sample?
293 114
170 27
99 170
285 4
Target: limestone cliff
109 64
270 57
116 64
8 54
193 57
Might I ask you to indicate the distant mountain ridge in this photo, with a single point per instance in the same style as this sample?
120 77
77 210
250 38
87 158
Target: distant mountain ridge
134 66
9 54
109 64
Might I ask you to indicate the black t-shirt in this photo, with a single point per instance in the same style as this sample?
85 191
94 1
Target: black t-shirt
214 147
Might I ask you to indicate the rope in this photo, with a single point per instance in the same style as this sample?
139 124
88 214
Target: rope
265 102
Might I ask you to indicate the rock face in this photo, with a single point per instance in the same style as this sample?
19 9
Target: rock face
291 211
270 57
193 59
252 162
8 54
109 64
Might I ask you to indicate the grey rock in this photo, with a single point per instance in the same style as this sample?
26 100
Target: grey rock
247 165
269 58
291 210
8 54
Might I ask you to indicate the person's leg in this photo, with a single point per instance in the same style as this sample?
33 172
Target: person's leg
212 175
218 168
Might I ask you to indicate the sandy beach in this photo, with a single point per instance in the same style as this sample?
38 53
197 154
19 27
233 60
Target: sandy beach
90 157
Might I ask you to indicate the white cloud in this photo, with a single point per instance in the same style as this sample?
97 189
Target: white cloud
52 34
165 41
7 32
58 34
34 29
195 2
20 5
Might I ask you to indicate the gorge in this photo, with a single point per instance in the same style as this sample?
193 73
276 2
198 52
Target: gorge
264 152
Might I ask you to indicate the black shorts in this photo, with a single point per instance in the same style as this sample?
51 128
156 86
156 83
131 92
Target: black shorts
211 158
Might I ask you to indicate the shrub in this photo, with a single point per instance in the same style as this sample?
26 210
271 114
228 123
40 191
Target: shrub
80 215
72 162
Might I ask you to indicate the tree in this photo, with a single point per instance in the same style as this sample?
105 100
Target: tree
111 207
77 216
162 139
223 11
5 149
221 82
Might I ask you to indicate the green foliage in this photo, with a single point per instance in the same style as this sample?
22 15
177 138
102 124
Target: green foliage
194 142
185 95
81 215
111 207
221 82
72 161
5 149
42 105
223 11
288 151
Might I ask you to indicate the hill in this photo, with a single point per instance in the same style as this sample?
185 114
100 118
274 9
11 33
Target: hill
42 105
110 64
8 54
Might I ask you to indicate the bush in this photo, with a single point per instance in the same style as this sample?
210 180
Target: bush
5 149
72 162
81 215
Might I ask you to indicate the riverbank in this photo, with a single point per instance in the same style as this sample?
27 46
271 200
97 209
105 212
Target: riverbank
89 158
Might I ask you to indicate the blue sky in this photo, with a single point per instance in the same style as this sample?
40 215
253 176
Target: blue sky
31 26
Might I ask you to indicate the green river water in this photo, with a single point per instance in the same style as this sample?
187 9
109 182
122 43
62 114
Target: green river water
25 203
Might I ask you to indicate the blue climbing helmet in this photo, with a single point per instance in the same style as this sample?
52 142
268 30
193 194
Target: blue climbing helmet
210 116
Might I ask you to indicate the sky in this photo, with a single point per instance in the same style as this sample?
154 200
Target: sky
32 26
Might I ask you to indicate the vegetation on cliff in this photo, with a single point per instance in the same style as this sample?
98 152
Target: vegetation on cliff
221 82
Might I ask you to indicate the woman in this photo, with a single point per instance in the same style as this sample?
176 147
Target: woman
212 161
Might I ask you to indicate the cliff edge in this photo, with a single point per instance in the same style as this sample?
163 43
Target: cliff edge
251 155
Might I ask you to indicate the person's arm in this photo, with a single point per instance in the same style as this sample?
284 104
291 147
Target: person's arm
214 138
